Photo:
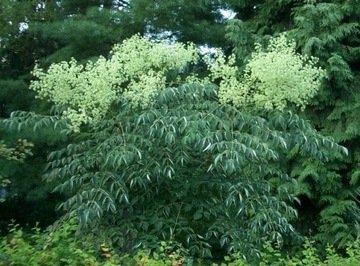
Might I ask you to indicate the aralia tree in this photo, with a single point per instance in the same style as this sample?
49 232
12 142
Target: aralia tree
325 29
169 158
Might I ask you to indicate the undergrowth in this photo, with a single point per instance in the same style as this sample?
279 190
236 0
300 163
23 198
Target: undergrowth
61 246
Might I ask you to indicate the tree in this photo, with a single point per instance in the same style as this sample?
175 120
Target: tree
334 39
328 30
35 32
197 21
157 145
56 31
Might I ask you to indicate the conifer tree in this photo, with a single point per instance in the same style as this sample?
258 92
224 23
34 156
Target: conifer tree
328 30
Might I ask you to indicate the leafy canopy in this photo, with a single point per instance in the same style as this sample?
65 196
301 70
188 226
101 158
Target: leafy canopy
215 168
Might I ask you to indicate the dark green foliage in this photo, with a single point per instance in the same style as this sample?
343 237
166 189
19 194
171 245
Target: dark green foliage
81 36
7 156
10 89
31 32
325 190
197 21
26 191
88 28
328 30
187 170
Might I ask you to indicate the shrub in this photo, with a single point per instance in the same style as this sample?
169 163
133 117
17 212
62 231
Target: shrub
308 256
54 247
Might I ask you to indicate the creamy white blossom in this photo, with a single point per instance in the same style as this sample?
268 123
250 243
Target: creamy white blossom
273 78
136 69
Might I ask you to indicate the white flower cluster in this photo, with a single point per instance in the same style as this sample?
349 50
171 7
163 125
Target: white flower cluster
136 70
272 79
